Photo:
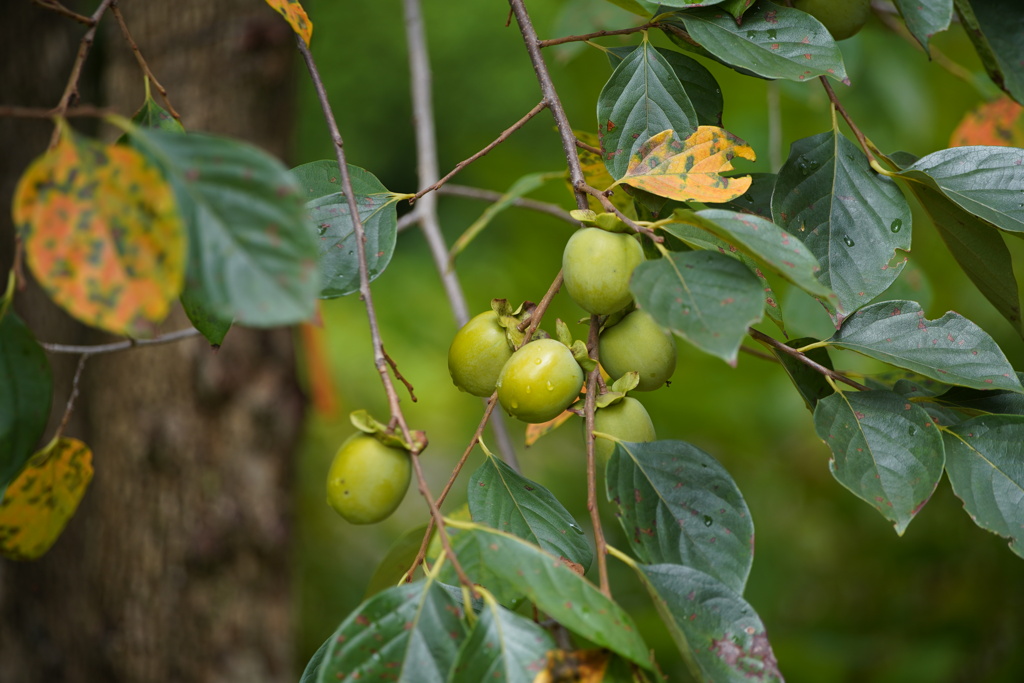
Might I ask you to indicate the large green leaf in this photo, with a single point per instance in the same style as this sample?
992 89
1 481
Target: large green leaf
712 625
885 449
978 248
700 85
410 633
26 388
678 505
984 464
329 212
642 97
996 27
772 41
985 181
925 18
503 646
852 219
707 298
252 251
503 499
952 349
554 588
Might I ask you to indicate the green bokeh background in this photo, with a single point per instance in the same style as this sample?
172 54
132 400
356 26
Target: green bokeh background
843 598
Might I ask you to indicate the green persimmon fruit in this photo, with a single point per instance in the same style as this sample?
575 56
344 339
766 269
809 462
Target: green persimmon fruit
478 353
626 420
539 381
842 18
637 343
596 267
367 480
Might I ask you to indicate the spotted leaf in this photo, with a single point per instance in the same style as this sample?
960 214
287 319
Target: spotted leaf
296 17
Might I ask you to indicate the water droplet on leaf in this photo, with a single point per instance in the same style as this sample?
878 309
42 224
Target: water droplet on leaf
896 225
708 521
848 240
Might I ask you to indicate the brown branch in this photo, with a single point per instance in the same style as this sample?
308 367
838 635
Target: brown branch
398 375
759 354
71 88
55 6
540 106
589 148
595 34
542 307
523 203
849 121
116 11
589 405
611 208
40 113
168 338
817 367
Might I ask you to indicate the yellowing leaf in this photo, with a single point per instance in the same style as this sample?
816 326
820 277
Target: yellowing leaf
293 13
596 174
1000 122
537 430
102 234
39 503
580 666
689 170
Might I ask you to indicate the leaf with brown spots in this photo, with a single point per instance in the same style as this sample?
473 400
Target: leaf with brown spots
689 170
579 666
39 503
296 17
102 234
503 646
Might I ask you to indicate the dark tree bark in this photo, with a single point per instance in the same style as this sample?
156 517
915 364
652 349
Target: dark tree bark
176 565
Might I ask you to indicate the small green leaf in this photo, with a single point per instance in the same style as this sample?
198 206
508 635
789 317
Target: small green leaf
985 181
811 384
504 499
210 324
925 18
396 562
952 349
712 625
152 115
642 97
885 449
708 299
985 468
410 632
852 219
677 504
26 389
503 646
771 41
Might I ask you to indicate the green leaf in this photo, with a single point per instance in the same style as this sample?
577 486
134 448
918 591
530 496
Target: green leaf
503 646
706 298
556 589
252 251
686 4
700 85
985 181
151 115
678 505
976 402
712 625
642 97
642 7
952 349
772 41
994 26
766 242
39 503
852 219
757 200
329 212
978 248
506 500
312 671
409 633
396 562
984 466
210 324
737 7
925 18
26 389
885 449
810 383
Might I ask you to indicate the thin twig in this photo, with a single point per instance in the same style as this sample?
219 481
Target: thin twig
849 121
116 11
539 107
398 375
521 202
611 208
72 396
41 113
589 148
542 307
167 338
55 6
759 354
790 351
589 404
595 34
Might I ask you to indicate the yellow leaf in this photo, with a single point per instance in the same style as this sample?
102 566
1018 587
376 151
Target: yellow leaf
293 13
39 503
596 174
536 430
689 170
102 234
579 666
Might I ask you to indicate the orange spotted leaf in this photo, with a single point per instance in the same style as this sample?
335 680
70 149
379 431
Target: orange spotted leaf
1000 122
39 503
102 234
581 666
293 13
688 170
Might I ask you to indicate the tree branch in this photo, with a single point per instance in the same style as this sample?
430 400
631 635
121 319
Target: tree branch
589 405
168 338
71 88
853 127
523 203
595 34
116 11
790 351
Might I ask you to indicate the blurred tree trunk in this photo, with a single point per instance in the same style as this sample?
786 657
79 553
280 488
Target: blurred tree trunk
176 566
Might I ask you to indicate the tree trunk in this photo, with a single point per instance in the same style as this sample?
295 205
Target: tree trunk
176 565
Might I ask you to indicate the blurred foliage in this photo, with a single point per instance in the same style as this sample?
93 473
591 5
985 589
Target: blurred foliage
844 598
